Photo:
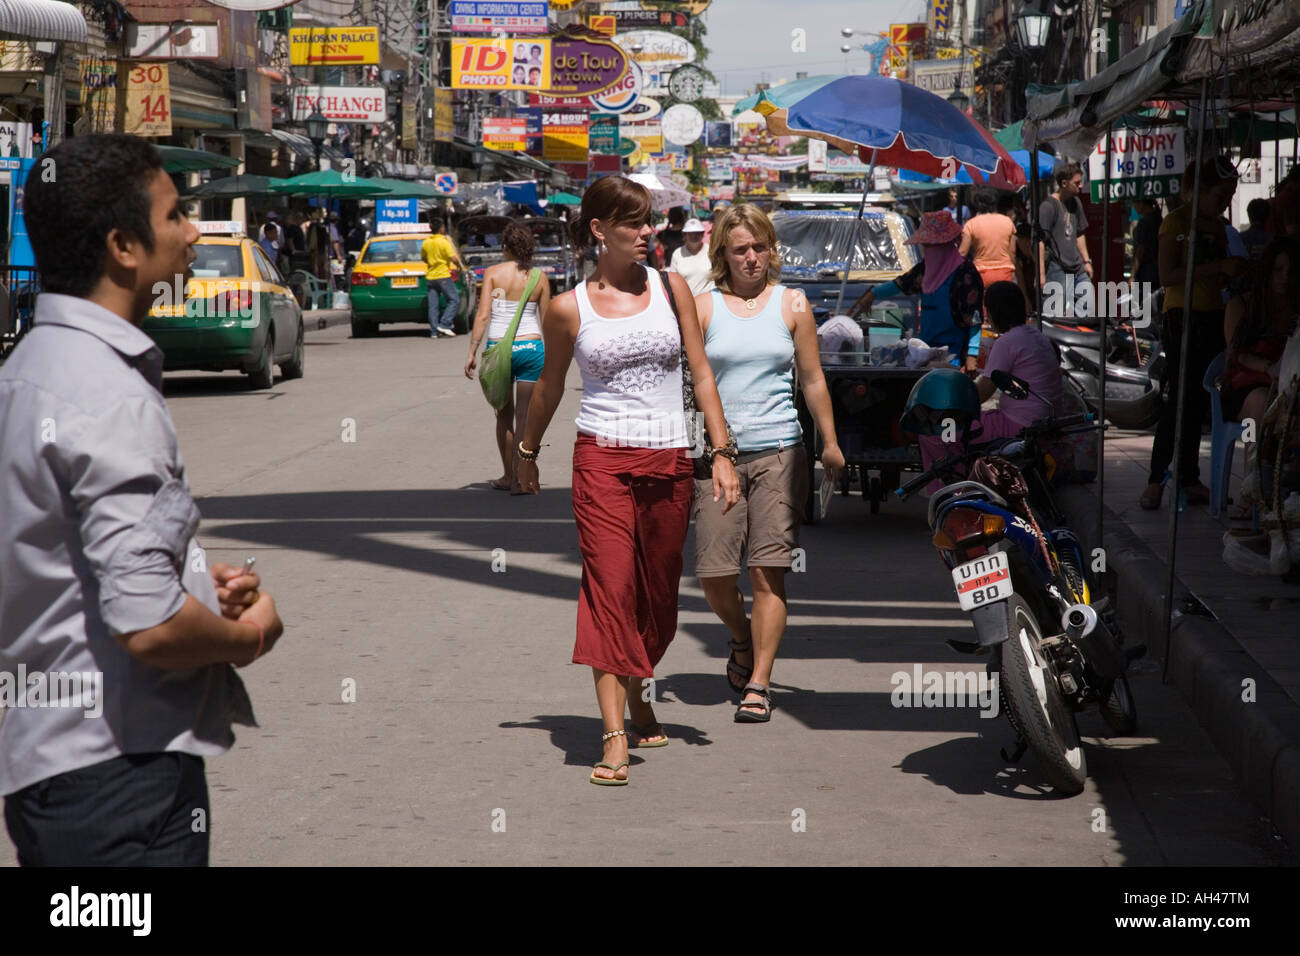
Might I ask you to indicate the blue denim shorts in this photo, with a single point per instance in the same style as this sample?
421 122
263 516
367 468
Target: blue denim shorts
526 359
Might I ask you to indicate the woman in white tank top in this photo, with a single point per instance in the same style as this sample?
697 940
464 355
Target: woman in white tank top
632 476
503 284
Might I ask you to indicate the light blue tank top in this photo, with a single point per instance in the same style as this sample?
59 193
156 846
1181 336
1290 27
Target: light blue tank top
753 363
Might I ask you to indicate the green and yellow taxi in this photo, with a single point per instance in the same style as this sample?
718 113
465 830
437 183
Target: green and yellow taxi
235 312
387 284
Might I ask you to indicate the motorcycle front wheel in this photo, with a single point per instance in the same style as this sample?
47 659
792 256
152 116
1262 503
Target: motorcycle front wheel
1029 688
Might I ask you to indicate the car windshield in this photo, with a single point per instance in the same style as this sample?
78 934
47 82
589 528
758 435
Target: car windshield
394 250
218 262
814 244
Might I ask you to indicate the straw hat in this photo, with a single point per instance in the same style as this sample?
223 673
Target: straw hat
936 229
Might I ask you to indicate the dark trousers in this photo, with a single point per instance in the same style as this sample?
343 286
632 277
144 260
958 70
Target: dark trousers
1206 342
135 810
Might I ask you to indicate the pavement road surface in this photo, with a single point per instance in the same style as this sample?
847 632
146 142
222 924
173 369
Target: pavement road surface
422 708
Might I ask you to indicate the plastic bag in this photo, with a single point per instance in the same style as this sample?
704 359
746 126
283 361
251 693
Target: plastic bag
920 355
838 334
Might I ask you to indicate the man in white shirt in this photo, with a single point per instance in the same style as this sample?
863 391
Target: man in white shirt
691 260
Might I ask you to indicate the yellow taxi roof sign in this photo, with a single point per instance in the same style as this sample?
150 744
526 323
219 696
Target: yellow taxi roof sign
220 227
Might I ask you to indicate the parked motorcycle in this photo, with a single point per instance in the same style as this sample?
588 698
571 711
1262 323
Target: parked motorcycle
1020 573
1135 366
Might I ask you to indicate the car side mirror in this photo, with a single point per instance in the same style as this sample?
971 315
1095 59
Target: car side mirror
1013 386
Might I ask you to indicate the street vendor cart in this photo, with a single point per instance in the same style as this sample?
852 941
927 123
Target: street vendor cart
867 401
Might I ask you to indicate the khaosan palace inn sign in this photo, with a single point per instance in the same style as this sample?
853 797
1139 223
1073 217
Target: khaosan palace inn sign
343 104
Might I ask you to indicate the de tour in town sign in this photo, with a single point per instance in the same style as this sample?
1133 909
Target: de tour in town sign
583 63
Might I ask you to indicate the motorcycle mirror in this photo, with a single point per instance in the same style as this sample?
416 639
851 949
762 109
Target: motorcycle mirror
1006 382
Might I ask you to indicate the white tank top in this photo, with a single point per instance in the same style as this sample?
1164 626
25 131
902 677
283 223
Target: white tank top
503 313
631 374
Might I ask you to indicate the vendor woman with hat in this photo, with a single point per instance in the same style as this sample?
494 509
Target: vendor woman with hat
951 291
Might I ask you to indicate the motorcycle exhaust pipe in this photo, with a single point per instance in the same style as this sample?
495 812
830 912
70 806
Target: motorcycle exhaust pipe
1091 635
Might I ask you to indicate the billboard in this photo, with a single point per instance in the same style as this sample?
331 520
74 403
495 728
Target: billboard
501 64
342 104
505 133
564 137
469 16
325 46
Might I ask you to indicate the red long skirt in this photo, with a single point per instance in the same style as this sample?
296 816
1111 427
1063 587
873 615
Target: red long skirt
632 507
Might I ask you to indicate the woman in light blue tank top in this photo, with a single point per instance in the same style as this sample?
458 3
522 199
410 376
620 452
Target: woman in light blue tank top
756 332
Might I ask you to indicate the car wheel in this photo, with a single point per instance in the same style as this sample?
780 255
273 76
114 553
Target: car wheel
263 376
294 366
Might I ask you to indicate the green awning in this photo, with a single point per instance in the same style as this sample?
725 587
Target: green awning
404 189
177 159
230 187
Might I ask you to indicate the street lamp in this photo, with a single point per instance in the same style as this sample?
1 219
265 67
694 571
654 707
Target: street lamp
1032 27
318 127
957 98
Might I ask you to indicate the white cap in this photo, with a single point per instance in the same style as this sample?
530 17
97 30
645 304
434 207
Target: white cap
693 225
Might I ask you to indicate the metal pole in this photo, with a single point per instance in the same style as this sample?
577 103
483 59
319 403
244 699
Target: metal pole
1101 333
857 227
1033 230
1183 384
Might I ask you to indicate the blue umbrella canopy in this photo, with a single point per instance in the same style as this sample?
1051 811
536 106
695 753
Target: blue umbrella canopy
904 125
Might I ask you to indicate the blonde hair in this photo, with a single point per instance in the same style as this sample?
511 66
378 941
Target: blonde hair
756 221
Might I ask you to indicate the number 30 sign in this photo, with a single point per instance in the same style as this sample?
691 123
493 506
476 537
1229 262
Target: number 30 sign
148 100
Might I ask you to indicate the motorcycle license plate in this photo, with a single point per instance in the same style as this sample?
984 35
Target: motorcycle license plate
405 282
983 581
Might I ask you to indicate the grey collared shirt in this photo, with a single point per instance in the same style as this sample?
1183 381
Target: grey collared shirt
96 539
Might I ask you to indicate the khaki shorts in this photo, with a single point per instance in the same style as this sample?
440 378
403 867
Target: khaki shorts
765 521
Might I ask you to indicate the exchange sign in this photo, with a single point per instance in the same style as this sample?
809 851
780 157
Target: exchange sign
506 133
342 104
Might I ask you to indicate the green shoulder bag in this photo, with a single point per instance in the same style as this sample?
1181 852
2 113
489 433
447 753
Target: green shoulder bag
494 367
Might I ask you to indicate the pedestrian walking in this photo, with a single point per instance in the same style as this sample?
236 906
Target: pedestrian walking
959 211
989 238
270 241
672 235
756 332
103 578
440 255
1202 318
318 246
1064 265
504 286
630 330
691 260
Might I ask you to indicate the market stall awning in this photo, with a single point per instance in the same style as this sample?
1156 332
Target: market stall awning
1244 35
42 20
1076 116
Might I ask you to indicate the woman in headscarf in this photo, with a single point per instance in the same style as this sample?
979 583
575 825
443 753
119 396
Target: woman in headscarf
951 291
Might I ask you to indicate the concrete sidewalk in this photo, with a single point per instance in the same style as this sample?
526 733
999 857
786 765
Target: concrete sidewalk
1234 647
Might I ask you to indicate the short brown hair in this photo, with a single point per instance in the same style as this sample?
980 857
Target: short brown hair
612 199
519 243
1065 173
756 221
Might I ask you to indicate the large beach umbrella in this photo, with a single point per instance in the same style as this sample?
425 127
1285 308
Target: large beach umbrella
403 189
664 195
889 123
904 125
233 186
178 159
331 184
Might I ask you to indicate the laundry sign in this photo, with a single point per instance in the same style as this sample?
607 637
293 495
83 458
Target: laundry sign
343 104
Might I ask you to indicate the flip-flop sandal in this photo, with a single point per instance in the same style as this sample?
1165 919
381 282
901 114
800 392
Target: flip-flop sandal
744 715
1151 502
734 667
642 732
609 781
495 487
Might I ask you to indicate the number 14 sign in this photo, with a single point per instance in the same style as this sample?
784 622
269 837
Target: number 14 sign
148 100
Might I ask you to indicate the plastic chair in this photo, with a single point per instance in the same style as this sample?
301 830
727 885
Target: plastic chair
1223 439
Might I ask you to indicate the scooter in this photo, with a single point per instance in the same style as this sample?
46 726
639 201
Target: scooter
1020 573
1135 366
